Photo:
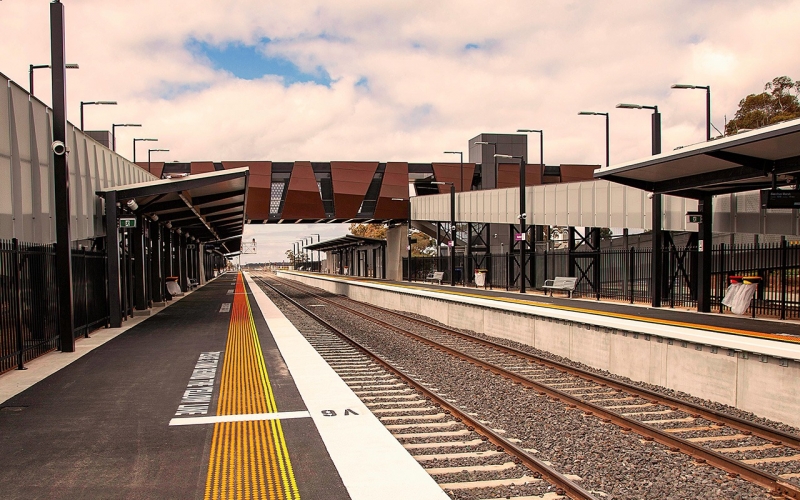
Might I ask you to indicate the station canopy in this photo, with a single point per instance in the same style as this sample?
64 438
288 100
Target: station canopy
208 206
743 162
347 241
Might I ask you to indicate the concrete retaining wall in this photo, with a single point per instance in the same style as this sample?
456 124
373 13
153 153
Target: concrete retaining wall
764 385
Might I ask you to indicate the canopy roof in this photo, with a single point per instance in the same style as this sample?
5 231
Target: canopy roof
346 241
742 162
208 206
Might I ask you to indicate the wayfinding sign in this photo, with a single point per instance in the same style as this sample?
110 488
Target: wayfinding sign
125 222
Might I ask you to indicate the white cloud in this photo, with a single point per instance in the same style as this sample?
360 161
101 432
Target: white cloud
537 65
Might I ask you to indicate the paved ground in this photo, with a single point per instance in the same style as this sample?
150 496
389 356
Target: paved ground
99 428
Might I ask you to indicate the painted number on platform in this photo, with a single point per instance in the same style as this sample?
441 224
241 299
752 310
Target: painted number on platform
332 413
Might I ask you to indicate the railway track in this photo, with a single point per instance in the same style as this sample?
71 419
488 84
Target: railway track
466 457
756 453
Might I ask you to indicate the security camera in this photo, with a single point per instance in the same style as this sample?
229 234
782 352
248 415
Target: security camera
650 196
59 148
523 216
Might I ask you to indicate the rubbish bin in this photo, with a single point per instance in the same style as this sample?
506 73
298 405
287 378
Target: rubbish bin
173 288
480 277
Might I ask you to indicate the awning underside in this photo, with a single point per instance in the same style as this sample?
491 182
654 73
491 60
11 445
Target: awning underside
743 162
209 207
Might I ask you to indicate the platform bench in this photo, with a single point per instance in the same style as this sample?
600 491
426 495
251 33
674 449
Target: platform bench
563 284
436 276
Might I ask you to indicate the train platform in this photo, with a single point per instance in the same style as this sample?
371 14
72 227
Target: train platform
216 396
744 325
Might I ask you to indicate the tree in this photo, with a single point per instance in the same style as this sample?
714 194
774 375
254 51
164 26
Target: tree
777 103
377 231
423 244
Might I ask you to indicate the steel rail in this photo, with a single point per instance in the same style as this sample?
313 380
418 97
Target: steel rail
558 480
755 428
702 455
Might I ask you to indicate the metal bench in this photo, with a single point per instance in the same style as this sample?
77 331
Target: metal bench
563 284
435 276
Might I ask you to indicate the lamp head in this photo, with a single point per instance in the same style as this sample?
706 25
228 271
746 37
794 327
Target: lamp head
629 106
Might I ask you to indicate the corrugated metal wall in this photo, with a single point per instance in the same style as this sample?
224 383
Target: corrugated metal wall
603 204
26 176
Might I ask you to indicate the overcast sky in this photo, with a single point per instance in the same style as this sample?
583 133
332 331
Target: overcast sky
402 80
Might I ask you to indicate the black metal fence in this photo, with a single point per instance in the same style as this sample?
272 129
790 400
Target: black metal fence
28 299
625 275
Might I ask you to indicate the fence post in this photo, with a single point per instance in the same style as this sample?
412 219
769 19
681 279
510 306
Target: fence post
18 302
85 295
723 276
631 270
784 263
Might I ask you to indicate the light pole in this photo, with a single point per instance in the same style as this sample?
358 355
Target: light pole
707 88
40 66
134 146
408 231
148 157
494 152
461 171
522 217
114 135
704 228
656 279
607 130
99 103
541 144
452 229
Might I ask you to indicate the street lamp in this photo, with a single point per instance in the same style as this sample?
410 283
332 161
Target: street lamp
134 146
541 143
148 157
40 66
707 88
656 205
113 132
99 103
607 132
408 231
461 171
522 216
452 229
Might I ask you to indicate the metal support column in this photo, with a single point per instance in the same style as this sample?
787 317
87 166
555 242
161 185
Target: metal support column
183 268
140 281
704 245
657 279
112 262
156 264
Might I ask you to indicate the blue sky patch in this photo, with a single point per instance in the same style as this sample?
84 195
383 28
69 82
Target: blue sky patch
363 82
471 46
248 62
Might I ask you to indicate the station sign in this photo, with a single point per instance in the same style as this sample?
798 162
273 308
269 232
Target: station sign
519 237
780 198
125 222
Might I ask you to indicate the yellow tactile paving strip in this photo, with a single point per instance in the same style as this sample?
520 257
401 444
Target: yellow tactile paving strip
248 459
696 326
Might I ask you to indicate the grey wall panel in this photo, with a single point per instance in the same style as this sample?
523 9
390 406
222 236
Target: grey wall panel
6 207
616 206
72 160
575 202
602 203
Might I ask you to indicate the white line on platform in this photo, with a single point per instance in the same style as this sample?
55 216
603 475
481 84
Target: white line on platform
285 415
